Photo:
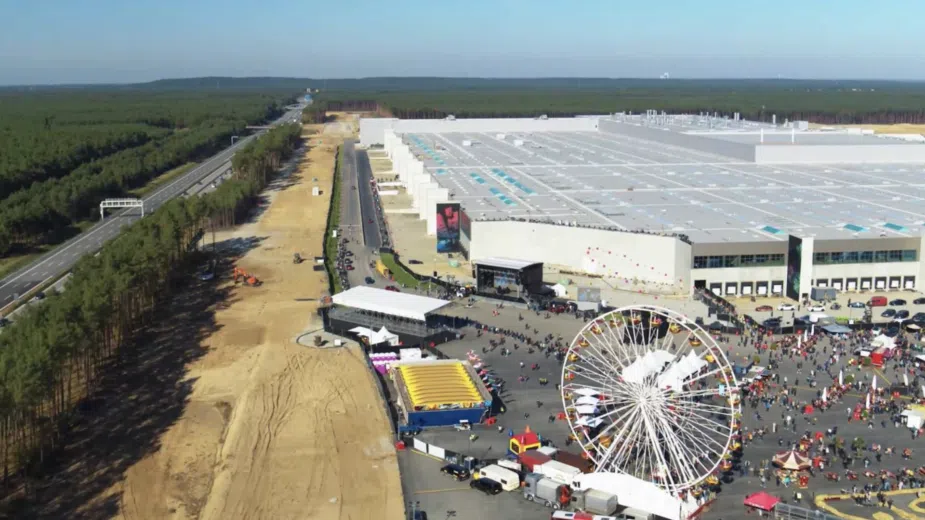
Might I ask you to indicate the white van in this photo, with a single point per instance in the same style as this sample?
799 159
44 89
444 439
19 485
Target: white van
508 479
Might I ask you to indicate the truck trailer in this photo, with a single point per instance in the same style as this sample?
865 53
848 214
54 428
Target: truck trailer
556 495
558 471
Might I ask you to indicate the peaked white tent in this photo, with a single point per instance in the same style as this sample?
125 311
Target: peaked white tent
652 363
677 373
376 337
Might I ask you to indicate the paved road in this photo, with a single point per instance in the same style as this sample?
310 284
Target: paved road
368 211
61 259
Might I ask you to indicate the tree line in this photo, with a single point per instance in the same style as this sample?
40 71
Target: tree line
56 353
62 153
886 104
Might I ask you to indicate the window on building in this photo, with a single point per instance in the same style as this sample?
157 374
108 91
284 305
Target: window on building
761 259
821 258
880 256
700 262
836 258
909 255
895 255
746 260
852 257
776 259
731 261
715 262
866 257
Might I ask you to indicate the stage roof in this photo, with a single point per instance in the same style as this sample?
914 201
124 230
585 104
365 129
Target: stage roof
506 263
404 305
439 383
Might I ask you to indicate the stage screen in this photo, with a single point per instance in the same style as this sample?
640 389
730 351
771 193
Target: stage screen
794 265
448 227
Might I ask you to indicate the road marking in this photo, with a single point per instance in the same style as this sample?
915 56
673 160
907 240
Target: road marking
447 490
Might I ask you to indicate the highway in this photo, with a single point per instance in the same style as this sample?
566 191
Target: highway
62 258
368 212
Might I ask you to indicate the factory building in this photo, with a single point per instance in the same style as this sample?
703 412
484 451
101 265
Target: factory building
734 206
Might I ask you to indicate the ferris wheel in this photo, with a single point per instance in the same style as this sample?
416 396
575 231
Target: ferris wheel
650 394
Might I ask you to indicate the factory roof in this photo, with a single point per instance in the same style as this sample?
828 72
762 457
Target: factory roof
399 304
600 179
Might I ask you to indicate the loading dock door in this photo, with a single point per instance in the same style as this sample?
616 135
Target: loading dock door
837 284
732 288
762 288
777 288
880 282
747 288
865 283
851 284
716 288
909 282
822 282
895 282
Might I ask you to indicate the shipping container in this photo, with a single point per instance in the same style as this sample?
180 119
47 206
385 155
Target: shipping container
532 458
576 461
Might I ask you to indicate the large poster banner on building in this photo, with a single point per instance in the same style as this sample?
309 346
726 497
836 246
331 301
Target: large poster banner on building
448 227
794 265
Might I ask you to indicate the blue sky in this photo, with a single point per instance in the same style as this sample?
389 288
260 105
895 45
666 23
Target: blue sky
55 41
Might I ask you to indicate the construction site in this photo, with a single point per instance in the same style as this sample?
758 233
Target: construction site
270 428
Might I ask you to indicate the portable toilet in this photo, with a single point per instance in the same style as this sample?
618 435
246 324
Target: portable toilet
521 442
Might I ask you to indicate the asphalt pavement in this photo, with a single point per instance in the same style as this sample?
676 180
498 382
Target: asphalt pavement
62 258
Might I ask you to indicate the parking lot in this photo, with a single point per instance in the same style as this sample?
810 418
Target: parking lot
529 403
847 303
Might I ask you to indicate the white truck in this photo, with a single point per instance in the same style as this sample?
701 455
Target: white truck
556 495
508 479
557 471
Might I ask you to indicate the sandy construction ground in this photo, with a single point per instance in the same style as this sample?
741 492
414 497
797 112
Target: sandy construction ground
882 129
273 429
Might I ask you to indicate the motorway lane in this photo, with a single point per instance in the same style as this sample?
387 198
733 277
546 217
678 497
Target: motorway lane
62 258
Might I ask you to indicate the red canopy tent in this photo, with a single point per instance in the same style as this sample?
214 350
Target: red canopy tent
761 500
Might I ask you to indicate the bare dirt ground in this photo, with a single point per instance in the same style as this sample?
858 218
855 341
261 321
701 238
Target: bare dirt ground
248 424
882 129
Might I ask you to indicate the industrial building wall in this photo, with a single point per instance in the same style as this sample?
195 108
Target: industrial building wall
874 153
842 271
650 258
372 130
741 151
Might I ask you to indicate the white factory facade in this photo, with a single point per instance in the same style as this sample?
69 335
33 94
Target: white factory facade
681 201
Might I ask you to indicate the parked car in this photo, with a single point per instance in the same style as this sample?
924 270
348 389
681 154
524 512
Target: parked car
391 288
415 262
835 306
898 302
877 301
817 307
349 268
771 323
857 305
486 485
40 295
919 301
786 307
918 317
456 471
889 313
764 308
206 276
901 316
369 280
